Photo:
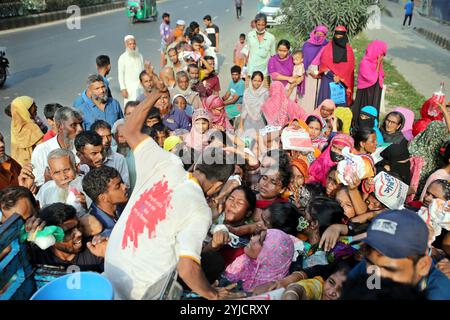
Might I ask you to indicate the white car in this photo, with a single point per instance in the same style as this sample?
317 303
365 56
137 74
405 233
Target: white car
272 9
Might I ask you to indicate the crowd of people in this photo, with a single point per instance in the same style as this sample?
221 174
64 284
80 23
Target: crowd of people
288 185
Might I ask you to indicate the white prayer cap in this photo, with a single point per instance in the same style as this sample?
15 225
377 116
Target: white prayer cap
128 37
181 22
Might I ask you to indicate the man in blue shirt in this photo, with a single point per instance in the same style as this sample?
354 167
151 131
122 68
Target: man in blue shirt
108 193
173 118
409 8
397 245
96 105
234 96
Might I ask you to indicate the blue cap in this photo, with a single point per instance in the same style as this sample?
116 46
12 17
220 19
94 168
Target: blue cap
398 234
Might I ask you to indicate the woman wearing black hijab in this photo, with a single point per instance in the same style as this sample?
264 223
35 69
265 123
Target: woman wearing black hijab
396 161
337 64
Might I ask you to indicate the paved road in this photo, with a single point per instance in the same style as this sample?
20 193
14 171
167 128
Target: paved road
51 63
423 63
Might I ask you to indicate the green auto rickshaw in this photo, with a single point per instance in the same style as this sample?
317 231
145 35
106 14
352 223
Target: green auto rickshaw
141 10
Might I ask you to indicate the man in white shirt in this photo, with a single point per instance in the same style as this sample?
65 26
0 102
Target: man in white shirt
66 186
112 159
131 64
68 124
166 219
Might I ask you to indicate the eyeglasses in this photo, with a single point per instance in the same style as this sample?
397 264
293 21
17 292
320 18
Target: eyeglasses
391 122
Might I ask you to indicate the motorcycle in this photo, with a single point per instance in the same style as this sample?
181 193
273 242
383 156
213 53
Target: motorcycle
141 10
4 65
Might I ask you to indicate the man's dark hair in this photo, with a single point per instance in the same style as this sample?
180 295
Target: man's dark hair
208 58
87 137
95 182
192 65
361 135
207 17
260 16
242 35
100 124
143 73
172 49
215 165
159 127
165 15
198 38
236 69
154 113
131 104
149 131
194 25
102 61
50 110
57 213
10 195
326 211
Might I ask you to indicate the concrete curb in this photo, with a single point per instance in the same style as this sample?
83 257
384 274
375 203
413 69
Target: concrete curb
19 22
435 37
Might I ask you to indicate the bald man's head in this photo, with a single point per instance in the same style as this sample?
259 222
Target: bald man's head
168 76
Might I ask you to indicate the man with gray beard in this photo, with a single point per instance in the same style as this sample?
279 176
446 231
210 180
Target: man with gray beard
68 124
9 168
99 106
131 64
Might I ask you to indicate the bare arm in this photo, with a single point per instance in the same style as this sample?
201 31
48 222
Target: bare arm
233 100
133 125
192 274
226 96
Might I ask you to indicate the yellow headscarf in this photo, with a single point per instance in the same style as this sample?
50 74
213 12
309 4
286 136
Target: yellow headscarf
346 116
25 133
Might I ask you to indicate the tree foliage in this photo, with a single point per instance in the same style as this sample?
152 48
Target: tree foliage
301 16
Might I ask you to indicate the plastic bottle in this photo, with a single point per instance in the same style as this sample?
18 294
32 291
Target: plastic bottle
437 98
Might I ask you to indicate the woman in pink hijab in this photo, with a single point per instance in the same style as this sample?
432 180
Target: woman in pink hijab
319 169
218 116
370 78
279 110
325 112
267 258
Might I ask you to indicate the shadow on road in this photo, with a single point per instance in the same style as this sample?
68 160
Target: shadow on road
19 77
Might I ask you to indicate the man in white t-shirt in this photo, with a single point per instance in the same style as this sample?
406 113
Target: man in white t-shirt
166 220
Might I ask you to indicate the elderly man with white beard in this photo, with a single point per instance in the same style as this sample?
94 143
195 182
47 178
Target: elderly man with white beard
66 186
131 64
68 124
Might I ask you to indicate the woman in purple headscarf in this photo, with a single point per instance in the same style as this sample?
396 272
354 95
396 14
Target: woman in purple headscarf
317 40
281 65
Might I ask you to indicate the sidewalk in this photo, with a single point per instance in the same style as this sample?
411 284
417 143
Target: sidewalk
422 62
425 26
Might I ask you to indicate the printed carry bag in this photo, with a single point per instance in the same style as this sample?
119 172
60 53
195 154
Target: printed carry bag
337 93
